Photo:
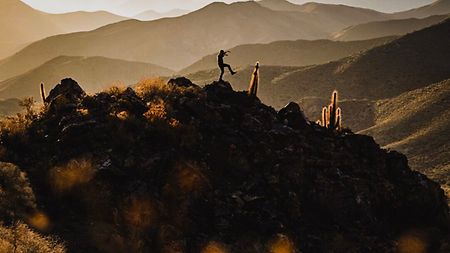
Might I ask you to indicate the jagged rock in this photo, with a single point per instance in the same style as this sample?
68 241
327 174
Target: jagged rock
293 116
130 102
65 96
69 88
180 82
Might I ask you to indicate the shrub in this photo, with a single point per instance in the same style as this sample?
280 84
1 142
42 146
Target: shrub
16 195
21 239
75 172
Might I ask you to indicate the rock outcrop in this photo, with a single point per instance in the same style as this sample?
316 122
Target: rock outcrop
181 169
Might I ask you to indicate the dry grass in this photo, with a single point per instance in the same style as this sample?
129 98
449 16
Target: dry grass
21 239
76 172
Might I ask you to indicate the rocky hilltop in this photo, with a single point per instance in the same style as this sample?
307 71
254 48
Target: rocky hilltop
178 168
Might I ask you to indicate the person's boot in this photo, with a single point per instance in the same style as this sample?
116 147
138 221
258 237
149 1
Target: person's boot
233 72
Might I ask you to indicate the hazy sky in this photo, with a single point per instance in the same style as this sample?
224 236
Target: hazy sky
131 7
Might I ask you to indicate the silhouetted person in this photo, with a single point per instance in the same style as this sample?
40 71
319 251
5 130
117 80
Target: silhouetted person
223 65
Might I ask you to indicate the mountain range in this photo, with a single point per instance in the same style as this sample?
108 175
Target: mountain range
288 53
392 27
152 15
96 72
21 24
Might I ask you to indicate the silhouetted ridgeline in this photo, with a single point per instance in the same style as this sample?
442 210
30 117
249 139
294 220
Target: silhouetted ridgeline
176 167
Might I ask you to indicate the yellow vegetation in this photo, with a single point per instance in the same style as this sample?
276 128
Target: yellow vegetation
282 244
140 213
39 221
21 239
214 247
75 172
410 243
156 111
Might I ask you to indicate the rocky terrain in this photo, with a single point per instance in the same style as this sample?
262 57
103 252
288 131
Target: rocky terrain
179 168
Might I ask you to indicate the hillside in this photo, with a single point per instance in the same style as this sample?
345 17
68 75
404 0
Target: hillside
386 28
126 171
439 7
9 107
288 53
96 71
20 24
405 64
331 16
416 123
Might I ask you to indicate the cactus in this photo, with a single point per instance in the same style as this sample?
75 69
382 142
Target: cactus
253 88
324 117
331 115
43 94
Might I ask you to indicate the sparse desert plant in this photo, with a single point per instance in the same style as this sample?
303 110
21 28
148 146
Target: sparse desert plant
17 199
76 172
116 90
17 124
331 115
21 239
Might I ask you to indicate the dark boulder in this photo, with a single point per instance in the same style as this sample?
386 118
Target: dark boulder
65 96
292 116
180 82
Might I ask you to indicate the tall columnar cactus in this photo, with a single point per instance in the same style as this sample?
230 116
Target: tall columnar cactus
43 93
253 88
331 115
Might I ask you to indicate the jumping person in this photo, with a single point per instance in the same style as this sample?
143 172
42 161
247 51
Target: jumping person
223 65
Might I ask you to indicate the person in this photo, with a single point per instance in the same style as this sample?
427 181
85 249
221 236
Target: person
223 65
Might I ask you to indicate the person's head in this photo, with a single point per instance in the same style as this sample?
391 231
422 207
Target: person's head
222 51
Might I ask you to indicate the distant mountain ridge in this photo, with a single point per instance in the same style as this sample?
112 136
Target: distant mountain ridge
172 42
20 23
407 63
153 15
439 7
96 72
387 28
288 53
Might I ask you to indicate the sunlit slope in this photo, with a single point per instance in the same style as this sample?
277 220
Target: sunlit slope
417 124
408 63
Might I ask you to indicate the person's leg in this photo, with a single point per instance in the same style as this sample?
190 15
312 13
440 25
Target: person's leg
229 68
222 71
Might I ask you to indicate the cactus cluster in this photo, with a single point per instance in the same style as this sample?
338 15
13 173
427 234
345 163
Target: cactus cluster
253 88
331 114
